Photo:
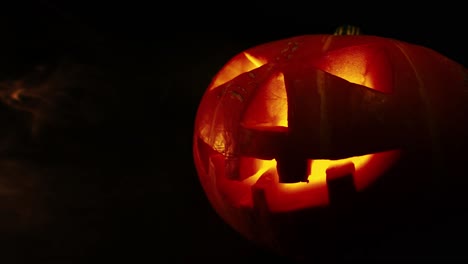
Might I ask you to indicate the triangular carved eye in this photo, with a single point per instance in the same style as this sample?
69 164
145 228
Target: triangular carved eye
366 65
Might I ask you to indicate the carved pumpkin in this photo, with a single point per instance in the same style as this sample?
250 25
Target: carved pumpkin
304 142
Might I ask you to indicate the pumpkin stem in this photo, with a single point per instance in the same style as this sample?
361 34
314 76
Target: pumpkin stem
347 30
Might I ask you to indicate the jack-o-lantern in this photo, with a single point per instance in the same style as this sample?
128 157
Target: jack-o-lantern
303 142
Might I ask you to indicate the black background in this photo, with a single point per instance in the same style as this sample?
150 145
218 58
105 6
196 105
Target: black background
125 187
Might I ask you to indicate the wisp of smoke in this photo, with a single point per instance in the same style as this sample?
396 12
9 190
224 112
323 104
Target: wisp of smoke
49 106
43 115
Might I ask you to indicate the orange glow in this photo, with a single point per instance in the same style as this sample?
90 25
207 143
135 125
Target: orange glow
241 63
318 167
351 67
293 196
256 61
361 65
264 166
251 168
270 105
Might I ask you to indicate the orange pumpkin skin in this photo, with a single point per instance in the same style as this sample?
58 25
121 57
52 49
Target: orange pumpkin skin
301 144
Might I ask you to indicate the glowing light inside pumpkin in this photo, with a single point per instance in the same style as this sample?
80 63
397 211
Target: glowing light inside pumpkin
262 174
241 63
256 61
317 170
351 68
270 106
362 65
263 166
